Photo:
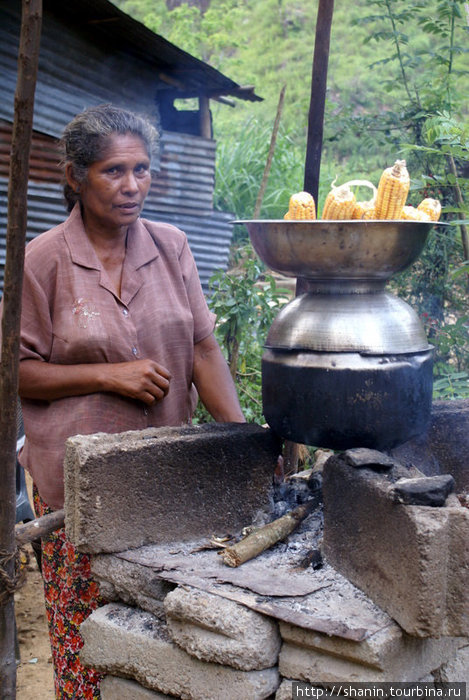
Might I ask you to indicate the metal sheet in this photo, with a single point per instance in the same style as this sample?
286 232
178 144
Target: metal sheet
332 606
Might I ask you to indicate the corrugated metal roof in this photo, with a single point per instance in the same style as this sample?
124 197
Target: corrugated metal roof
189 76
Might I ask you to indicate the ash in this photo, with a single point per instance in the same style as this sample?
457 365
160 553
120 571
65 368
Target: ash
303 546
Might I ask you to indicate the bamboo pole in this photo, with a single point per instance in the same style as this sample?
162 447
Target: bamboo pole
268 165
28 57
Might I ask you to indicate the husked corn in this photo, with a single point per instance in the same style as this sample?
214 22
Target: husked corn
362 208
393 189
301 206
410 213
430 206
339 204
370 214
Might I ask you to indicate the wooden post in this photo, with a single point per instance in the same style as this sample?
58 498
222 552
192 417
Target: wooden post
28 57
318 97
315 130
205 118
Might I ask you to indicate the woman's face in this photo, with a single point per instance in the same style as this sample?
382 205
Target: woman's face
115 188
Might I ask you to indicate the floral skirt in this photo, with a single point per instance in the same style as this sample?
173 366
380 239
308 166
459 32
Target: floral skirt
70 596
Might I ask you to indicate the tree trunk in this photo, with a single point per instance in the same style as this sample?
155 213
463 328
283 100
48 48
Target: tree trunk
16 234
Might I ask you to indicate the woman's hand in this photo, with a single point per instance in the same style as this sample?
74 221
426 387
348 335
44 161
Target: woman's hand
143 380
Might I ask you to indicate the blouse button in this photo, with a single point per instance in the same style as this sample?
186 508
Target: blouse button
125 312
134 351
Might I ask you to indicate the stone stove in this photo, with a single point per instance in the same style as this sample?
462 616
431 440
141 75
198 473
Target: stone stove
387 603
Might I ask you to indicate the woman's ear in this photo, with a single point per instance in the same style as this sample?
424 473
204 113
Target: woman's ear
70 177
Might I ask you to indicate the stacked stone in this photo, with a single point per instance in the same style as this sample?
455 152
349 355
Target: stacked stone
183 641
211 647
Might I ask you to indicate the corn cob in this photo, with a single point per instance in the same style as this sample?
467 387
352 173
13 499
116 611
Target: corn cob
410 213
370 214
432 207
362 208
339 204
393 188
301 206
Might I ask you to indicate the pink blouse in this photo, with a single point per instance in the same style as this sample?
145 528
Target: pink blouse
70 314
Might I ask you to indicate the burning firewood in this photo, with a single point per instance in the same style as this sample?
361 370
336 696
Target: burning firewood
266 536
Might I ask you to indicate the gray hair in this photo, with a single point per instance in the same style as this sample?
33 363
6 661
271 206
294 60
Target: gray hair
86 137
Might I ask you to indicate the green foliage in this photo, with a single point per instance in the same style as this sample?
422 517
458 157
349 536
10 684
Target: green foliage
246 300
241 159
450 384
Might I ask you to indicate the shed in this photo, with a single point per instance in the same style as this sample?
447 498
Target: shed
92 53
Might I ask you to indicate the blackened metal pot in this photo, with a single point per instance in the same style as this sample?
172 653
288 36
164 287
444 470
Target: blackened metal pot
344 400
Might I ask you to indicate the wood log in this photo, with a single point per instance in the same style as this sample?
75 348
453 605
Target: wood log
28 60
40 527
266 536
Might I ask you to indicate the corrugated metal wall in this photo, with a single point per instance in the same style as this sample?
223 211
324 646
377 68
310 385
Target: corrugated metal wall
74 72
181 194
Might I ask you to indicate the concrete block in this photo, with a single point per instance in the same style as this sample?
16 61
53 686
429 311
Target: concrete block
285 690
120 580
123 641
114 688
216 629
390 651
443 449
315 666
412 561
165 484
457 669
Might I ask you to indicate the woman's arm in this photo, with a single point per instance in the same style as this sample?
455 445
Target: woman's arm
214 384
144 380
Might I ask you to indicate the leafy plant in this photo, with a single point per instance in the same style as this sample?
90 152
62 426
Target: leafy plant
450 384
246 300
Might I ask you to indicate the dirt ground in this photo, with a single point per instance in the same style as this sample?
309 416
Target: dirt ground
34 678
34 675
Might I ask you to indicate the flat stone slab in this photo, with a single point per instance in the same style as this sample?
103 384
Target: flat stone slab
424 491
413 561
122 581
166 484
393 654
300 663
123 641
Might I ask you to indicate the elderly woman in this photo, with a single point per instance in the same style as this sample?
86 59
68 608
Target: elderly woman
115 335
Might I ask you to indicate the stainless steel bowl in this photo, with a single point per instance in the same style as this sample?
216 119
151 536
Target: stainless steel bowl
374 324
338 250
